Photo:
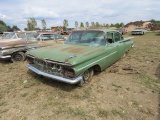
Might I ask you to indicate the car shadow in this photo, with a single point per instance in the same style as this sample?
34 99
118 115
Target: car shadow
5 61
53 82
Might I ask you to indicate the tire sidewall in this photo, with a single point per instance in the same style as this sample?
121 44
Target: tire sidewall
21 54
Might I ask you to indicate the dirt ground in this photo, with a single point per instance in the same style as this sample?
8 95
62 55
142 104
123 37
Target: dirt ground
127 90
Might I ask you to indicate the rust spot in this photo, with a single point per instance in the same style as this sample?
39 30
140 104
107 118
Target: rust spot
18 42
73 50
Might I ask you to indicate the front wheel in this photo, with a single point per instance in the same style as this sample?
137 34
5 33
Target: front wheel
87 76
18 56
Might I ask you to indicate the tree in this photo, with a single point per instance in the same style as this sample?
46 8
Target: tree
92 23
81 25
87 24
44 24
9 29
97 24
107 25
31 24
2 23
65 24
3 28
121 24
15 28
76 24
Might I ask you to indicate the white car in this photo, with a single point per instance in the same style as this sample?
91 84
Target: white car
139 31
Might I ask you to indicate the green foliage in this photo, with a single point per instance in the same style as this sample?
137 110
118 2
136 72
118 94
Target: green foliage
92 23
44 24
103 113
76 24
65 23
87 24
97 24
117 25
81 25
155 22
2 23
15 28
3 28
31 24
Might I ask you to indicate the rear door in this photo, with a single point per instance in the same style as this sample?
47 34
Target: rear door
120 45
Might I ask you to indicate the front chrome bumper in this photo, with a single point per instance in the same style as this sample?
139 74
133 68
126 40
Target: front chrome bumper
59 78
5 57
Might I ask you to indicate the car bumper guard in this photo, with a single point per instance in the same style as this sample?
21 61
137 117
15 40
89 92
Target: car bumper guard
58 78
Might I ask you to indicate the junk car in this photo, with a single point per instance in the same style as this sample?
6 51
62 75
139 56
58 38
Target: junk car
15 49
83 53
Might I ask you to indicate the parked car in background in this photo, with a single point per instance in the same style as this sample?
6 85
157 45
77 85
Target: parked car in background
122 30
3 36
139 31
15 49
65 32
45 36
12 36
83 52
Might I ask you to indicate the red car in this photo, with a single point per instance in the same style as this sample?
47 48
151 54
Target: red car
122 30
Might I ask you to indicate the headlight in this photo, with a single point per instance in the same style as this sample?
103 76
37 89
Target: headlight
30 59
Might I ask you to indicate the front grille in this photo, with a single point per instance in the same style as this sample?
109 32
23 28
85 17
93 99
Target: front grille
51 67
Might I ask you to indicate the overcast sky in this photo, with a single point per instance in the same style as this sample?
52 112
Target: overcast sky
17 12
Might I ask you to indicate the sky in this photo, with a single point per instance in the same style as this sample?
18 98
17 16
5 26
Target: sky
17 12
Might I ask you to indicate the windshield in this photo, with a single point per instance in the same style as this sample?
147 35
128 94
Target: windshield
11 35
86 38
32 36
21 35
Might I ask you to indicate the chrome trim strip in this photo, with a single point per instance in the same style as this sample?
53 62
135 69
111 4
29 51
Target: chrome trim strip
59 78
96 61
5 57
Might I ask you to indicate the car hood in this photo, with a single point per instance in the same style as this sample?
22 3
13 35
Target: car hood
11 43
137 30
67 53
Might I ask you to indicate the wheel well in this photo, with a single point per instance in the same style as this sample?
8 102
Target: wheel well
19 51
96 68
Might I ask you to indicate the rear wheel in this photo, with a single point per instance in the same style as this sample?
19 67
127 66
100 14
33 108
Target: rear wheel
18 56
87 76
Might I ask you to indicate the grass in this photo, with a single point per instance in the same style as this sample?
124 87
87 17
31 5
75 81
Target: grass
153 84
43 98
135 103
117 112
103 113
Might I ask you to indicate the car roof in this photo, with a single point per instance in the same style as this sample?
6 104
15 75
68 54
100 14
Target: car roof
104 30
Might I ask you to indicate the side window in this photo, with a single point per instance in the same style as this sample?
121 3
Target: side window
74 37
110 38
58 36
117 37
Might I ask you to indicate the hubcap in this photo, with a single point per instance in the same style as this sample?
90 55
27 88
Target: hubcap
18 57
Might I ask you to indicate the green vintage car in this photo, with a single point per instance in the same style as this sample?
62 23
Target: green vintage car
83 52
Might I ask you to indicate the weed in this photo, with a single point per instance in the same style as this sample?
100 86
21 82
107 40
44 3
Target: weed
103 113
24 94
117 86
149 82
135 103
117 112
79 112
146 111
29 84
